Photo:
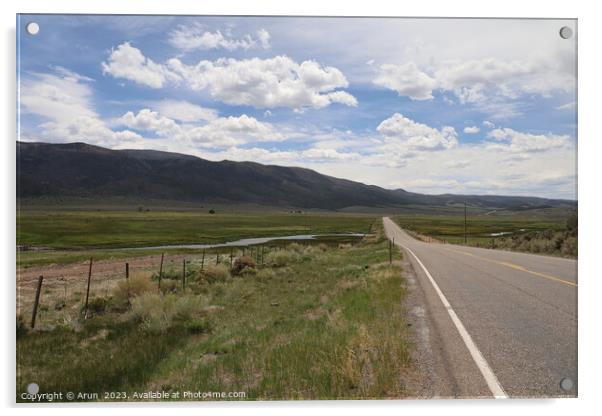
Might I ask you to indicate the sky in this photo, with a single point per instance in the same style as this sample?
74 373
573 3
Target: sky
473 106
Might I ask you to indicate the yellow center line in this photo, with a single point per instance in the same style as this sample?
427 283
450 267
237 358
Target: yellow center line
517 267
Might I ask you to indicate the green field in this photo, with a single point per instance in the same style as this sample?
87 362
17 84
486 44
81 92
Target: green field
77 235
315 322
115 229
531 233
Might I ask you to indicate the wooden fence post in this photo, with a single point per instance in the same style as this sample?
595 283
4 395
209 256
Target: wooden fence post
161 270
390 252
36 302
183 274
88 290
127 278
231 256
217 258
203 260
262 247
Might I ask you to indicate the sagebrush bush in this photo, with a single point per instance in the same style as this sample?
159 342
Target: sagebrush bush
296 247
138 284
242 265
323 247
97 305
170 286
214 273
280 258
157 313
569 247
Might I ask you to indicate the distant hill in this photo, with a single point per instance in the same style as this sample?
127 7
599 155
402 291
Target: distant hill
83 170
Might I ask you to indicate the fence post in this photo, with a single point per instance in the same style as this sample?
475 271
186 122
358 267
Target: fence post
161 270
88 290
217 258
390 252
183 274
127 278
231 256
203 260
262 247
36 302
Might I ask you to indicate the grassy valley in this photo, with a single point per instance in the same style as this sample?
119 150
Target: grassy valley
312 322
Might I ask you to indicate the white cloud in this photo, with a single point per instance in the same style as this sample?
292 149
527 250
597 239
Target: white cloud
458 164
407 80
64 99
128 62
523 143
221 132
261 83
402 132
405 139
58 97
149 120
184 111
488 124
323 155
195 36
568 106
488 84
267 83
471 130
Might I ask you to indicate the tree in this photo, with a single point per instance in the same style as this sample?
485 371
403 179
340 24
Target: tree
211 211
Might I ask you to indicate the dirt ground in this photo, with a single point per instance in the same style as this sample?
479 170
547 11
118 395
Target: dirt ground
64 286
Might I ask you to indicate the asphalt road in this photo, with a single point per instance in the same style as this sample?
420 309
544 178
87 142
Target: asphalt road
501 323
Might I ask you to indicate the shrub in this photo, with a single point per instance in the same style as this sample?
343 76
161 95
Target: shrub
280 258
170 274
296 247
214 273
242 264
265 275
97 306
136 285
569 247
248 271
157 313
323 247
170 286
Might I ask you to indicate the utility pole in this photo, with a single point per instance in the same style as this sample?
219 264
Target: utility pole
464 222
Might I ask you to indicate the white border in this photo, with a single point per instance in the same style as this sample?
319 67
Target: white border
590 177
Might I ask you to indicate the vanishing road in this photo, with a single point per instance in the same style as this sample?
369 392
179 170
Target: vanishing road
501 324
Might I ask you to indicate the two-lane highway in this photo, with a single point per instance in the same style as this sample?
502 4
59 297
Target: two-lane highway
507 319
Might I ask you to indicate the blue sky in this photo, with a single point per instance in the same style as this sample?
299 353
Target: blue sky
474 106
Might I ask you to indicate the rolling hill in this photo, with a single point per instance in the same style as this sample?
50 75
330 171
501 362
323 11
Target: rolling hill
83 170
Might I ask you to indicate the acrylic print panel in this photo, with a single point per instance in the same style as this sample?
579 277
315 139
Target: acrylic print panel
276 208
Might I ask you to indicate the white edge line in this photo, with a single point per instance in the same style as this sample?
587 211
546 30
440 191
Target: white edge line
488 374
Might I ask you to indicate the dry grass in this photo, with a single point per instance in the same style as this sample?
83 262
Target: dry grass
157 313
138 284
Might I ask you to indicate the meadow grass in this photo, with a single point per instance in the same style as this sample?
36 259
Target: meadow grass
115 229
325 323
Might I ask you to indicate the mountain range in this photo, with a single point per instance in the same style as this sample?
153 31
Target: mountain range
83 170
